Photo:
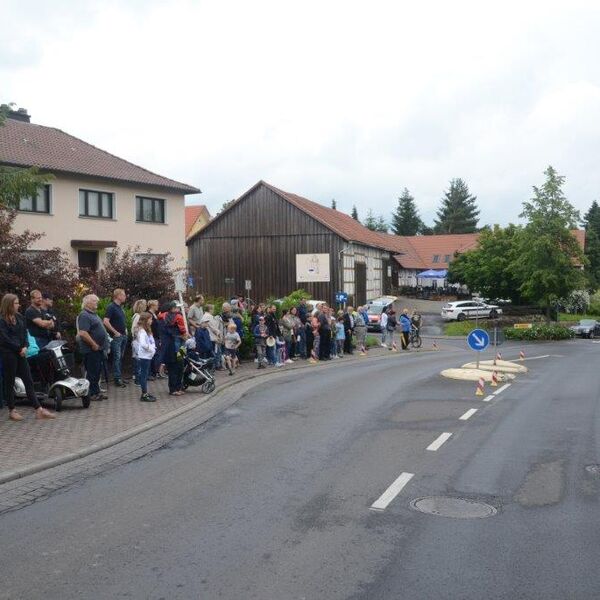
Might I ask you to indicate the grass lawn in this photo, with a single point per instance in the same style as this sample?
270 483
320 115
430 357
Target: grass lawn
465 327
571 317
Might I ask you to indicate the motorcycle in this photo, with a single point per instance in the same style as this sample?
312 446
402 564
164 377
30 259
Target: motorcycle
60 385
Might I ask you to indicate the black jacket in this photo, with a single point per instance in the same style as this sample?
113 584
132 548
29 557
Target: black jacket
348 325
272 324
13 337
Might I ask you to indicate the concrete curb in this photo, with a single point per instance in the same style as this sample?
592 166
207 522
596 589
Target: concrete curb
62 459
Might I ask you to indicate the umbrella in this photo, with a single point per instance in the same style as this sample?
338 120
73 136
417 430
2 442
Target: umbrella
433 274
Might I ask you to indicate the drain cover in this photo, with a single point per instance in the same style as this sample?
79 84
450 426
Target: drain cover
457 508
593 469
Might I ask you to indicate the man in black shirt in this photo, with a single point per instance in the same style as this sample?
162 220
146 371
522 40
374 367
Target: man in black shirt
114 321
48 312
37 323
93 341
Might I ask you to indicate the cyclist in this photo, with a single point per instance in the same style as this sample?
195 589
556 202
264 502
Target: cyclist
416 320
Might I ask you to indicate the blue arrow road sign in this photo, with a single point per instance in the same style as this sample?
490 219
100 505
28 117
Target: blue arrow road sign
478 339
341 297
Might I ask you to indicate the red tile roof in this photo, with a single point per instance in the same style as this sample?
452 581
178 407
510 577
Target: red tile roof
30 145
191 216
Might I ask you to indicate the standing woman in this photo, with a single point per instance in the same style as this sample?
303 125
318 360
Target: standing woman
13 349
360 330
154 367
139 307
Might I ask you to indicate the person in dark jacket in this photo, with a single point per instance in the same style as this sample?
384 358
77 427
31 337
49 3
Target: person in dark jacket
324 333
172 331
155 366
273 331
348 329
204 347
13 350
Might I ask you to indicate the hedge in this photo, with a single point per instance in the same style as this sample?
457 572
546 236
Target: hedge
539 332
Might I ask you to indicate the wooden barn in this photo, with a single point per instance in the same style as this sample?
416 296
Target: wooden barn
280 242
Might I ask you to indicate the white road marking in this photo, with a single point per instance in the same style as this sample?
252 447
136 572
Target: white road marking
536 357
468 414
488 398
499 390
389 494
435 445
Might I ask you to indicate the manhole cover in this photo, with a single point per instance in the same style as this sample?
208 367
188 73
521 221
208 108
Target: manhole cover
593 469
457 508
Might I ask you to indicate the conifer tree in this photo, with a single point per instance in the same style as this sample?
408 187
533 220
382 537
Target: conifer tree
354 213
458 212
333 204
405 219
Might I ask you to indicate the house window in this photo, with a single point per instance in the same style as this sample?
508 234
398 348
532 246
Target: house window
39 203
436 258
150 210
96 204
447 258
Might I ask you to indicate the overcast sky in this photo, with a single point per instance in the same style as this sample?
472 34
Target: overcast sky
326 99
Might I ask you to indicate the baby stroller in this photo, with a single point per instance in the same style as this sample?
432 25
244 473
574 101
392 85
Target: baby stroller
198 372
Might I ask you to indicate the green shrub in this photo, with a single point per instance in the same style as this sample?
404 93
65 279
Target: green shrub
539 333
372 341
247 346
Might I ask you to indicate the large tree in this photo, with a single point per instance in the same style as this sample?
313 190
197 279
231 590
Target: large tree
458 212
548 256
591 223
406 219
488 269
17 183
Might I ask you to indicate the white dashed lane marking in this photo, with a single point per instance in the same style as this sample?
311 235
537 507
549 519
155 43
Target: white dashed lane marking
382 502
468 414
437 443
500 390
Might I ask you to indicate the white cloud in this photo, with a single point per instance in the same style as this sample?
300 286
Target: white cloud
326 99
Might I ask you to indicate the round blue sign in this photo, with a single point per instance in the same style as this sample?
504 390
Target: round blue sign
478 339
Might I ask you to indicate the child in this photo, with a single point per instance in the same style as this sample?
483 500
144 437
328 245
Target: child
314 355
145 349
232 342
260 340
340 337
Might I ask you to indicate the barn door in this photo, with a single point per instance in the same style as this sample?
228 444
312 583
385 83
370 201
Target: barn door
386 277
360 284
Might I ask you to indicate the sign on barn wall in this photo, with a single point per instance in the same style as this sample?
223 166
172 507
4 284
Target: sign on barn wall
312 267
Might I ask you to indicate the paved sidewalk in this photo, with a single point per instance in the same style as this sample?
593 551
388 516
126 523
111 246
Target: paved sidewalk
78 431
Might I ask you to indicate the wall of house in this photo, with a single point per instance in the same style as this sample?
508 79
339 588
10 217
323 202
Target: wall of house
257 239
200 222
373 258
64 224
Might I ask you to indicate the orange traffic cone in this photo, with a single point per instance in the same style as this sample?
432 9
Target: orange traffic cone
521 355
434 346
480 387
497 357
494 379
394 347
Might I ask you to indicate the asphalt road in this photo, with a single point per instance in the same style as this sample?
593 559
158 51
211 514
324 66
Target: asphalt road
273 499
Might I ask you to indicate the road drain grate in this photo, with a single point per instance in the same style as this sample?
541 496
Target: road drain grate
593 469
457 508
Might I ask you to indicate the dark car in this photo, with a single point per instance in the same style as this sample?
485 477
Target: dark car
587 328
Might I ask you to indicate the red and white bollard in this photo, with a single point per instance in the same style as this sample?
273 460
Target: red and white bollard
394 347
434 346
521 355
497 357
494 379
480 387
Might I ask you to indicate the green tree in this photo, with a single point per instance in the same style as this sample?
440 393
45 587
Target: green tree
333 204
591 223
405 219
458 212
426 230
488 268
547 253
354 213
17 183
375 223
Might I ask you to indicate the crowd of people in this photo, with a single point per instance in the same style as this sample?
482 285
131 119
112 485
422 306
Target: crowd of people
160 335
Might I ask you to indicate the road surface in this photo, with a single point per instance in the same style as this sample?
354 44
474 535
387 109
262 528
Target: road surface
303 490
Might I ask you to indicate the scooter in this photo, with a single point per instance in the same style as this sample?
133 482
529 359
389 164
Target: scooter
62 385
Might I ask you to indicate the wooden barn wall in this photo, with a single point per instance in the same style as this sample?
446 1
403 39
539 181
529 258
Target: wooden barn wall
258 239
373 258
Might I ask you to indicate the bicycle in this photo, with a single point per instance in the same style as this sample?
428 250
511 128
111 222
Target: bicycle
414 337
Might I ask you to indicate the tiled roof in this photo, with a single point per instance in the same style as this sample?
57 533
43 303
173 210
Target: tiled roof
30 145
341 223
191 216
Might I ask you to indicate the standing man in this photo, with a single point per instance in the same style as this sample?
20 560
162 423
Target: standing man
38 325
196 311
273 330
383 322
324 333
405 322
348 329
93 340
114 321
48 311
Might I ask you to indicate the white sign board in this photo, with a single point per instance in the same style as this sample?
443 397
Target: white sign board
248 285
312 267
180 281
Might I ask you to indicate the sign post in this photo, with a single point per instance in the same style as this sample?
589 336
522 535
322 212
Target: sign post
341 298
478 340
248 285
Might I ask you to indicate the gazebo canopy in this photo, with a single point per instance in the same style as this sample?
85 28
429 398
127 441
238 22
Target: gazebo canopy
433 274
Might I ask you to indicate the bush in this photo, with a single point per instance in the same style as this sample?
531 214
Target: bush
576 302
539 333
145 276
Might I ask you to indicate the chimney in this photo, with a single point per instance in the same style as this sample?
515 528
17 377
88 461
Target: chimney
20 114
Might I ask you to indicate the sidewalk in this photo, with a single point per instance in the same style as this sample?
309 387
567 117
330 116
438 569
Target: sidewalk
76 432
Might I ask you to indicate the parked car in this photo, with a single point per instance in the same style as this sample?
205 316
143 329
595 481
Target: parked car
469 309
587 328
374 310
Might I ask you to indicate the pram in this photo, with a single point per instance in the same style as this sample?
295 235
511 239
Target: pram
198 372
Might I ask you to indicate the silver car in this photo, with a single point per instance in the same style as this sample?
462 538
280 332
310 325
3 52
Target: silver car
469 309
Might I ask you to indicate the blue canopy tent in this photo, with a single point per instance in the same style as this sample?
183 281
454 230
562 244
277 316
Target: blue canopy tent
433 274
